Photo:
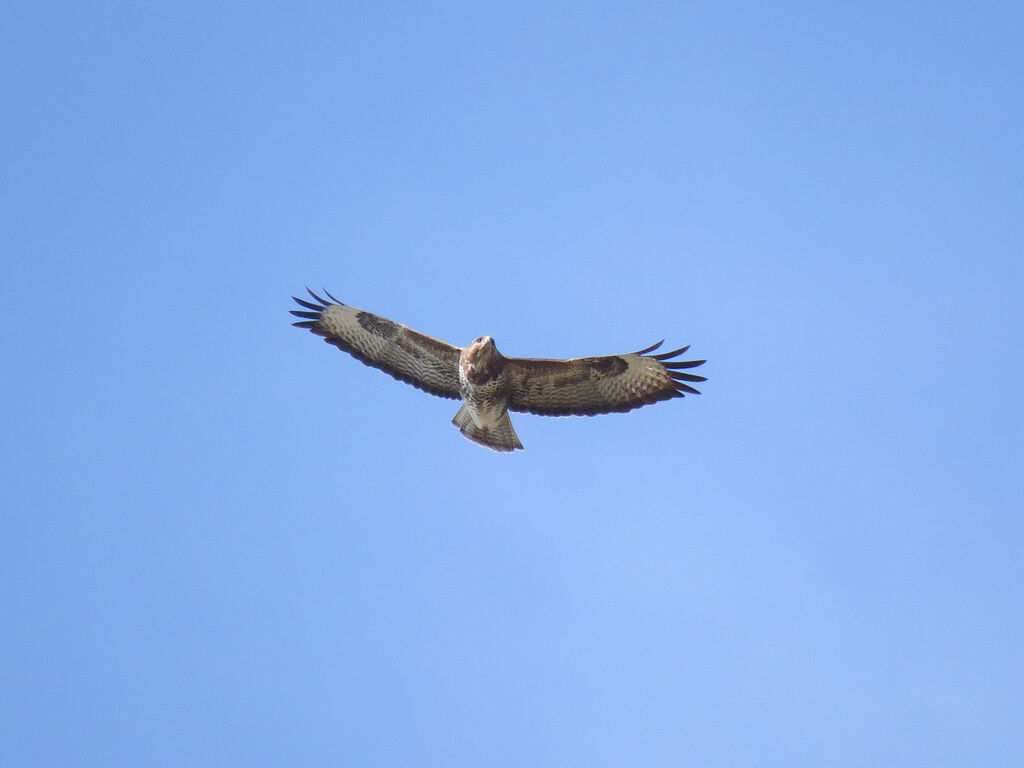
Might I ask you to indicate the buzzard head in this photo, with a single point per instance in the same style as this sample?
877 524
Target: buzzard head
481 361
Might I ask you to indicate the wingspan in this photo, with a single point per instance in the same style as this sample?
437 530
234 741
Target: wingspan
415 358
586 386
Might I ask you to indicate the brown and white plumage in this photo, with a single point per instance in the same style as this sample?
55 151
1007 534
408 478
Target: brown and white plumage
490 384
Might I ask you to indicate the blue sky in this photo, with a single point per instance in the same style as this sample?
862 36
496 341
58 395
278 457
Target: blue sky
226 543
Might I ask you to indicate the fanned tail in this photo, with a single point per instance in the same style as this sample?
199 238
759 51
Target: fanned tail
499 436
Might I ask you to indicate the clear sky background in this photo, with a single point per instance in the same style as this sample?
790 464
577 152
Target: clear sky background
225 543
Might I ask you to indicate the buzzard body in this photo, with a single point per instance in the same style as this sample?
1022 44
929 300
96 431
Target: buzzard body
490 384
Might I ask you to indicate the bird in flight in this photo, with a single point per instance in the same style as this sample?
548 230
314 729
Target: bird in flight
490 384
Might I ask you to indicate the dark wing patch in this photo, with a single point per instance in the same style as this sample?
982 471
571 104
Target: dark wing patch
377 325
415 358
586 386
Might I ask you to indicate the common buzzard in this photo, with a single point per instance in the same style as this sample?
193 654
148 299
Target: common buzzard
490 384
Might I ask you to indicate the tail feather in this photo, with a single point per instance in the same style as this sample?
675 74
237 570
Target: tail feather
499 436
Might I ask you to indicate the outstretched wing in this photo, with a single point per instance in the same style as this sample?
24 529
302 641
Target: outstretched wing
415 358
586 386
